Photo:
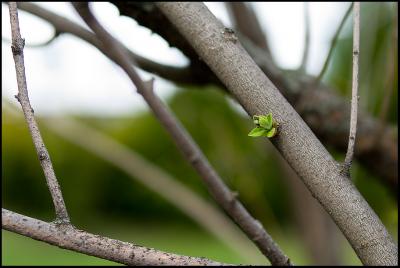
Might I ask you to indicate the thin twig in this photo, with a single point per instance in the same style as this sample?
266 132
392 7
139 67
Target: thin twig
333 44
221 193
354 89
44 157
68 237
306 50
156 179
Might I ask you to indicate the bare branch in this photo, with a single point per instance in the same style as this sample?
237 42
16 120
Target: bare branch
38 45
333 43
295 141
64 25
68 237
23 98
245 21
381 158
221 193
354 89
306 50
157 180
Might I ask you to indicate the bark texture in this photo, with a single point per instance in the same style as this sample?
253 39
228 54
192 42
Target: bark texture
225 56
379 156
68 237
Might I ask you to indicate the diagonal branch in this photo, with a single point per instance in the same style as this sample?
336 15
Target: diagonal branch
151 176
328 122
68 237
245 21
64 25
306 51
333 43
156 179
23 98
221 193
295 141
354 89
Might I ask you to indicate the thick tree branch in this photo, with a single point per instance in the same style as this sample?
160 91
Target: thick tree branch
23 98
157 180
68 237
333 43
354 89
296 142
221 193
328 121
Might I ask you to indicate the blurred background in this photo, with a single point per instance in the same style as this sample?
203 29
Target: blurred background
83 103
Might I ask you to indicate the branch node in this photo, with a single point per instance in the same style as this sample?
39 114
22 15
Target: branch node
42 155
150 84
17 47
17 97
345 169
233 197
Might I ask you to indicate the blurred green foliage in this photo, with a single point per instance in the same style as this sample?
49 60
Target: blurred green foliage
378 59
99 196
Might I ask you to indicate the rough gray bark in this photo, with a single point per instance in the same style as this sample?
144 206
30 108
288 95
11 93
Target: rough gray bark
354 88
379 156
68 237
225 56
192 153
17 48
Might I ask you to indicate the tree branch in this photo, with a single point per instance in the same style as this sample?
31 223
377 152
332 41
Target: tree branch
64 25
328 121
296 142
245 21
38 45
221 193
155 179
17 48
306 50
333 43
68 237
354 89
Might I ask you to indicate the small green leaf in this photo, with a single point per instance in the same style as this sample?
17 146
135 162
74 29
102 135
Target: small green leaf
265 121
257 132
271 133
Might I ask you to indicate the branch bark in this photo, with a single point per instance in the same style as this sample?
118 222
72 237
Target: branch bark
354 89
221 193
68 237
328 121
296 142
156 179
17 48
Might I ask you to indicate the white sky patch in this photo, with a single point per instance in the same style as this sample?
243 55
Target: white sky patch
71 76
